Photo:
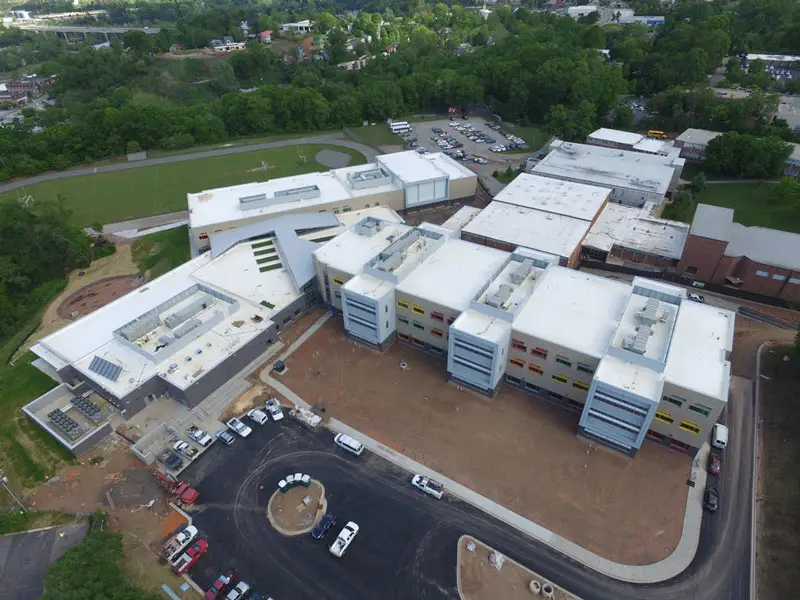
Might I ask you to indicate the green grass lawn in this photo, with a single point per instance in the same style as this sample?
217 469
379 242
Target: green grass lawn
160 252
27 453
752 202
534 136
147 191
376 135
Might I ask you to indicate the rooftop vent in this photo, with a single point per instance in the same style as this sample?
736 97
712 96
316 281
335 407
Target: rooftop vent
638 343
649 314
521 272
501 296
368 227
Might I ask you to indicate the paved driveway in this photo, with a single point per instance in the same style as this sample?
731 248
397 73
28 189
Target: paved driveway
25 557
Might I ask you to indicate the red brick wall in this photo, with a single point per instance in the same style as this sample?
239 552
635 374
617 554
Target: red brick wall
727 266
769 286
791 291
702 253
639 257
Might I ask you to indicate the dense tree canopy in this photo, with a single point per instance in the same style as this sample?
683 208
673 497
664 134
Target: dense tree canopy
744 155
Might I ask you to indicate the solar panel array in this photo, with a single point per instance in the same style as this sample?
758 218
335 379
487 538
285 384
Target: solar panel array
104 368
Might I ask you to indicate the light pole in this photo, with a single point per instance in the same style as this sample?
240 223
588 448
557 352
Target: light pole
4 483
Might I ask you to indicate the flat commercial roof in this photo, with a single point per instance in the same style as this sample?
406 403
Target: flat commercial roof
636 229
453 274
697 137
652 146
774 57
412 167
574 310
765 246
368 285
608 167
625 375
713 222
556 196
454 169
492 329
617 136
701 337
520 226
350 251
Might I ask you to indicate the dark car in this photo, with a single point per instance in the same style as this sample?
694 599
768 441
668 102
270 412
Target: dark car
711 500
170 459
322 527
222 583
714 464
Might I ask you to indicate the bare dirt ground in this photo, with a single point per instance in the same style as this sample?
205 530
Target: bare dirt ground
479 579
95 295
517 449
297 510
119 263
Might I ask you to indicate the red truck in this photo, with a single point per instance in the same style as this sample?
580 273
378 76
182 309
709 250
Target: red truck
185 494
192 554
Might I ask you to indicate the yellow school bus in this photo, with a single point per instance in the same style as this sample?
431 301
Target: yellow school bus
655 133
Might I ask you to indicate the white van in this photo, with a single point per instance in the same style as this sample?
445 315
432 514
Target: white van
719 436
349 444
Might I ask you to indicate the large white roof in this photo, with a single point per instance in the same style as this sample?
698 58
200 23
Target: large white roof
555 196
492 329
453 274
520 226
412 167
635 228
616 136
633 377
464 215
608 167
574 310
697 137
350 251
701 337
765 246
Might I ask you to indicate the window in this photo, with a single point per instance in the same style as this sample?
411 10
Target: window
674 401
762 273
338 281
402 336
664 417
691 270
689 426
417 309
337 295
450 320
517 363
655 436
346 209
417 342
437 332
535 369
540 352
403 320
515 380
779 277
794 280
700 409
679 445
386 308
531 387
418 326
203 236
402 304
584 368
563 360
579 385
560 379
437 316
519 345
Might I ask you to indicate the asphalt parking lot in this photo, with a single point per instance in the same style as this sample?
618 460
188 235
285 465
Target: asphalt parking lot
406 547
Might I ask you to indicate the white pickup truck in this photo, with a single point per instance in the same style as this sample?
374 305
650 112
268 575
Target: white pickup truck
343 540
239 427
199 436
178 542
429 486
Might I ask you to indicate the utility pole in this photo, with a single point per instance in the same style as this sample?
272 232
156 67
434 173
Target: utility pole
4 483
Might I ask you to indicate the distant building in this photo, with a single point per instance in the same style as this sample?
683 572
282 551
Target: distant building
693 143
576 12
30 86
635 142
228 45
754 259
265 37
299 27
6 95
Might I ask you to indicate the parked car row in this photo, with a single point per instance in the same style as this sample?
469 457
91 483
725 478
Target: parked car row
272 408
228 586
719 440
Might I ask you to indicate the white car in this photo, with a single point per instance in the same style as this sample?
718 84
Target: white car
257 415
429 486
695 297
274 409
480 161
239 427
344 539
349 444
238 591
199 436
184 449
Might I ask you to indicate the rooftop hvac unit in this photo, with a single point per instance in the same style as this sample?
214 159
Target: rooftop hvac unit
368 228
501 296
649 314
638 343
521 272
391 262
568 149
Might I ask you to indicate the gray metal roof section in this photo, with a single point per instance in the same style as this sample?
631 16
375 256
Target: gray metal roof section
712 222
295 252
766 246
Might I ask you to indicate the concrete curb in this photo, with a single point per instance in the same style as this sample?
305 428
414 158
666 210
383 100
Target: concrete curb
322 507
675 563
756 461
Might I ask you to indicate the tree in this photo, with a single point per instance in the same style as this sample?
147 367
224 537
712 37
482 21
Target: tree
571 124
138 42
745 155
133 147
623 116
223 80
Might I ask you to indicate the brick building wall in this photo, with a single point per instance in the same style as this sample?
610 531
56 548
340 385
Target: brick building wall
700 257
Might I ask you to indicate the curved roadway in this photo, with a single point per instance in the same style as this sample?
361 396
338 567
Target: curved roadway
333 139
407 546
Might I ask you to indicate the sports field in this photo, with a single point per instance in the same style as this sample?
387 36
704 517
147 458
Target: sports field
154 190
